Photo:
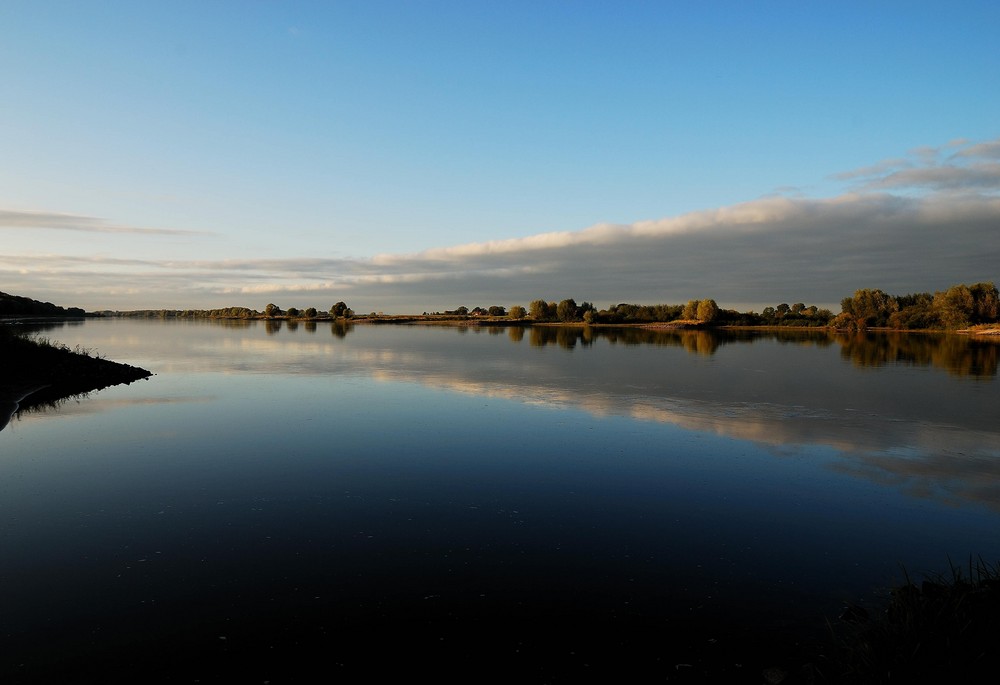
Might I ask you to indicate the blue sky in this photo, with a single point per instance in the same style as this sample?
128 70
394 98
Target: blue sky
411 156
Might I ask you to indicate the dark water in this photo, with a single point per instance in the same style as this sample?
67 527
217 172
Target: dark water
541 503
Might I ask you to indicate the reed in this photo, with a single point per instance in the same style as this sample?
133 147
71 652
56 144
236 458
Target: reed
942 629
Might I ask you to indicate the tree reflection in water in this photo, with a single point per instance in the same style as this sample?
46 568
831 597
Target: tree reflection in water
958 354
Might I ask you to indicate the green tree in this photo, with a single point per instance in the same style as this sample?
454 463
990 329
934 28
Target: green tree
985 302
690 310
708 310
272 310
311 313
955 306
538 310
916 310
868 308
338 310
292 311
497 310
566 310
517 312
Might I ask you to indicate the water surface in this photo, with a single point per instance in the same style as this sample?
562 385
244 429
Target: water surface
544 499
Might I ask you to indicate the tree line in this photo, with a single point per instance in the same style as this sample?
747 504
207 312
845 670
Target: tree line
16 305
960 306
339 310
702 311
271 311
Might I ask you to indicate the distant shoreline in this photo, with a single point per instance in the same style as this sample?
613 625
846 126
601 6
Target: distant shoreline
987 330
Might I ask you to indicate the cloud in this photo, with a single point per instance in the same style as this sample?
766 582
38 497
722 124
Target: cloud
11 219
969 169
982 177
989 150
907 226
874 169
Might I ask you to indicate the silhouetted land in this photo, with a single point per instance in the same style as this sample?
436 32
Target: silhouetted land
17 306
36 373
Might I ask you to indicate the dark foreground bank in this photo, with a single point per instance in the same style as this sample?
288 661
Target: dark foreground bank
35 373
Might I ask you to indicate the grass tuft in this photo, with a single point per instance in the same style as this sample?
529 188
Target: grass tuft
943 628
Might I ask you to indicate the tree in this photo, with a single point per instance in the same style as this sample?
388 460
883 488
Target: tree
566 310
868 308
272 310
311 312
708 310
955 306
986 302
916 310
538 310
517 312
292 311
338 310
690 310
497 310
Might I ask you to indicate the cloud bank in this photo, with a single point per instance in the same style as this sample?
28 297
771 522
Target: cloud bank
921 222
11 219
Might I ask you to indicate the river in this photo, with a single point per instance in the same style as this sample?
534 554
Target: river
543 501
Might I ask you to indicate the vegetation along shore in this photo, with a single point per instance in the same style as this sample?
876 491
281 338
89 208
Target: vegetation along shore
970 308
37 372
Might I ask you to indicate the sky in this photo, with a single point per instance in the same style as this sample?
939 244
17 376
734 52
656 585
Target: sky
418 156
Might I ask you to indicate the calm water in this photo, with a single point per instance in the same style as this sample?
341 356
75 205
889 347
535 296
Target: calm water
535 498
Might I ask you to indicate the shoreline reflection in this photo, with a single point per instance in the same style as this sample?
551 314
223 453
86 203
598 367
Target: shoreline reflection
877 399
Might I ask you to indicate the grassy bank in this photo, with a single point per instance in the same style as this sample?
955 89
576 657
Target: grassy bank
38 372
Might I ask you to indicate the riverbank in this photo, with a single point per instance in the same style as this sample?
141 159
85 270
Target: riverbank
37 372
987 329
